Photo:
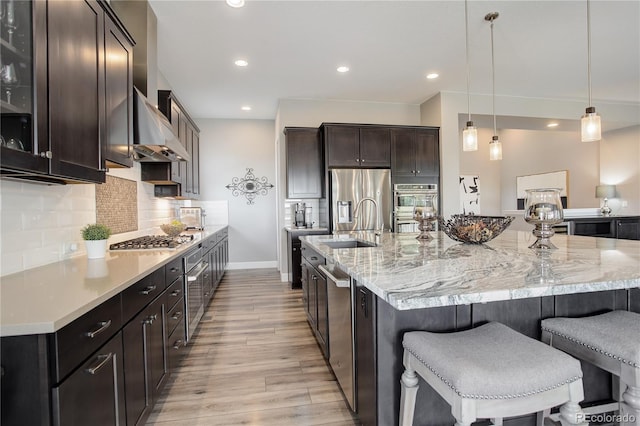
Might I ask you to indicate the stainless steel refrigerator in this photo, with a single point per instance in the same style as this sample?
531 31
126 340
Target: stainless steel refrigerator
349 187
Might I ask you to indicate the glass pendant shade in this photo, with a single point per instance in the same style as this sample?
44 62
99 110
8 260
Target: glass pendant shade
590 124
470 137
495 149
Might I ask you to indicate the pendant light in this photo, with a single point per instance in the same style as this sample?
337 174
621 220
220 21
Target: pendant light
495 147
470 132
590 122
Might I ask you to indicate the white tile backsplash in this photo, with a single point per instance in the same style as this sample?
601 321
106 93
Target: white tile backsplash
39 224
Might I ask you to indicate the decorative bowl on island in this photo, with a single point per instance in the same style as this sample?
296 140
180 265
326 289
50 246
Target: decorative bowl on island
174 228
474 229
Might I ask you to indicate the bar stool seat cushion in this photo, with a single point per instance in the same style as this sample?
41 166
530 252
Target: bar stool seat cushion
601 333
492 362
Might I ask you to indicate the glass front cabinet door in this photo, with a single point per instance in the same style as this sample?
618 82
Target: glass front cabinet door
23 76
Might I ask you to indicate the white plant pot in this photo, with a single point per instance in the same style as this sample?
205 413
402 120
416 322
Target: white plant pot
96 249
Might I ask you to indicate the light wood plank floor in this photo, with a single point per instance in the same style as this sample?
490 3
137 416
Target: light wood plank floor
253 361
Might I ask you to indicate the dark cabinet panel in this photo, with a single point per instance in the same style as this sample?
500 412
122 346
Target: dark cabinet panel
427 152
184 174
322 324
415 152
628 229
375 147
144 360
365 355
94 393
119 96
76 78
343 146
357 146
295 259
305 168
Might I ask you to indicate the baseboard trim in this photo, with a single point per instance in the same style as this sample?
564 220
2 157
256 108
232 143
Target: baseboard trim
252 265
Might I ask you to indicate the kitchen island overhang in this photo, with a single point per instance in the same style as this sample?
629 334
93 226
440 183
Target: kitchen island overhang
447 286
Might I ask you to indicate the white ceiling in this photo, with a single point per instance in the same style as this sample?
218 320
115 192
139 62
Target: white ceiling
294 47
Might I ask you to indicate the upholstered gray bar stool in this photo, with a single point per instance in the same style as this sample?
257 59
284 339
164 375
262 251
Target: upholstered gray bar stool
491 372
609 341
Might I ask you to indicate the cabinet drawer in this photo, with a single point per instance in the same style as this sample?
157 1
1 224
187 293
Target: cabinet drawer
175 292
94 393
312 256
173 270
75 342
176 346
140 294
175 316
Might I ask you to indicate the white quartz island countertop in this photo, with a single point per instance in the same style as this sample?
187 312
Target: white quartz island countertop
409 274
45 299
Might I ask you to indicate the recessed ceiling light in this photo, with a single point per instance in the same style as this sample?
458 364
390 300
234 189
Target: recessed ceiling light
552 125
241 63
246 108
342 69
433 75
235 3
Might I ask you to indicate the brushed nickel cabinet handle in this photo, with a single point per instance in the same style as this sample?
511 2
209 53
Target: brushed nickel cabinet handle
175 293
148 290
176 315
102 361
103 325
177 345
46 154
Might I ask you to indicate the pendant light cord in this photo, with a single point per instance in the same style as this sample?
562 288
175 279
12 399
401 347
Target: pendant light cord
466 30
589 49
493 81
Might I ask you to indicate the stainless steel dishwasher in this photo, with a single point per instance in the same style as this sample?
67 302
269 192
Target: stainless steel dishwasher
341 336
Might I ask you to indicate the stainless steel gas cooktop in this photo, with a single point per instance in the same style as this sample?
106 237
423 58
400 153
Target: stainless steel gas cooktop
152 242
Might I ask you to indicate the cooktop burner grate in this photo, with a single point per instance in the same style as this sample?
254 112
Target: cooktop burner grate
151 242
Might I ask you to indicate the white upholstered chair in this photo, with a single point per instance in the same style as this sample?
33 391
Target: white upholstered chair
491 372
610 341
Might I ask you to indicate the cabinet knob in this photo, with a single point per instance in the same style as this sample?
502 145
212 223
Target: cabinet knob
362 161
413 172
418 171
357 160
177 345
46 154
176 315
175 293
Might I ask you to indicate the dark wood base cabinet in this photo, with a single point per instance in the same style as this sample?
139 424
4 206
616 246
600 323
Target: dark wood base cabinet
94 393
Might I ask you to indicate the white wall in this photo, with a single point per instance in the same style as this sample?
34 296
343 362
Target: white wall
620 166
312 113
227 149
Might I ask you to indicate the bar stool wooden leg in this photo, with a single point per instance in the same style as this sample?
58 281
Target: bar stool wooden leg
541 415
571 413
408 394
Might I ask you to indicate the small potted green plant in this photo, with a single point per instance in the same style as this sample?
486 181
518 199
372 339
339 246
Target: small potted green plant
95 237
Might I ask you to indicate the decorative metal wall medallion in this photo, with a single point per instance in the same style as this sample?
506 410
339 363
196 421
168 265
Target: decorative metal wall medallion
249 186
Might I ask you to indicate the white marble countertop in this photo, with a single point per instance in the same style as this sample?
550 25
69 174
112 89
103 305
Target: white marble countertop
314 230
442 272
45 299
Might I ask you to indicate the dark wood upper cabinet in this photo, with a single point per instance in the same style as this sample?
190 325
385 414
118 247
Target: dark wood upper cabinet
67 111
343 146
357 146
305 168
119 96
76 81
375 147
415 152
185 174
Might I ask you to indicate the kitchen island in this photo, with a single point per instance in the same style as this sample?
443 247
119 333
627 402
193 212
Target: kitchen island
442 285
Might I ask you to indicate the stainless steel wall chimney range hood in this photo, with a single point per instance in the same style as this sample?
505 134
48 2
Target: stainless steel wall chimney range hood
153 135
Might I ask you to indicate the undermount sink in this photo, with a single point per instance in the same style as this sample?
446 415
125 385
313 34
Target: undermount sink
348 244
